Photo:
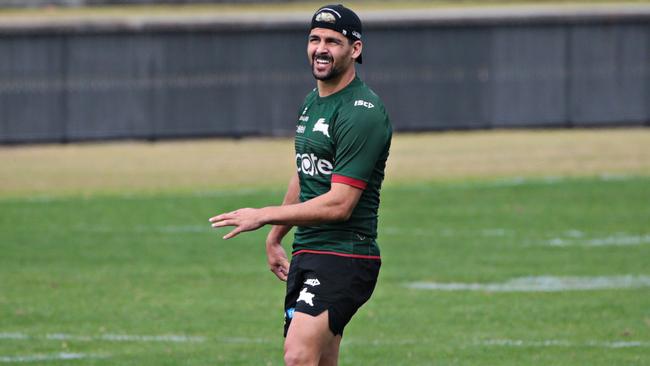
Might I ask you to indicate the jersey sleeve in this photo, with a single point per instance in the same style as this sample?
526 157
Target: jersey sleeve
361 136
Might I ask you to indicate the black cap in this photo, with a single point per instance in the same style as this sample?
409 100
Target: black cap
340 19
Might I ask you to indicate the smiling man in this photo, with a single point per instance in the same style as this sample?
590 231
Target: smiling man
343 136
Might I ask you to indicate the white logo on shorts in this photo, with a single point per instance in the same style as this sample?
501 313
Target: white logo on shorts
312 282
306 297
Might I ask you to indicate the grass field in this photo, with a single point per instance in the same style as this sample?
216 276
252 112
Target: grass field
499 248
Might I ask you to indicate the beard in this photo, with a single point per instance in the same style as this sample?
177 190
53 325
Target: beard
332 73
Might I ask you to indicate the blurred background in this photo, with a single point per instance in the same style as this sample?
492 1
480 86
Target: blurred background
74 70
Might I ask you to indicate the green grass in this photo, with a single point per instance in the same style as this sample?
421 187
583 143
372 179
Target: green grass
149 265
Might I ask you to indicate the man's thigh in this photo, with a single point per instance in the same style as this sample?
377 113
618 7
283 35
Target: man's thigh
310 341
309 335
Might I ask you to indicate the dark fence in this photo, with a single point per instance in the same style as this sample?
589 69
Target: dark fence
81 3
77 3
246 75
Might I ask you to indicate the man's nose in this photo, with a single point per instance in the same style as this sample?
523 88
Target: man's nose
321 48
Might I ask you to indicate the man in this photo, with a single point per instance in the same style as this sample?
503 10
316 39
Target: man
342 140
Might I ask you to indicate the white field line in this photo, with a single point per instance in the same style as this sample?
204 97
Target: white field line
570 238
50 357
175 229
246 340
563 343
169 338
541 284
518 181
404 231
155 338
608 241
17 336
166 229
347 342
380 342
186 339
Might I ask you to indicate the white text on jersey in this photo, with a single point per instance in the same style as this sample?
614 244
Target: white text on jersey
310 164
364 103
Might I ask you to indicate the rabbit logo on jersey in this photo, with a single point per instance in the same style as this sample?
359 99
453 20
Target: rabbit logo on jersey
312 165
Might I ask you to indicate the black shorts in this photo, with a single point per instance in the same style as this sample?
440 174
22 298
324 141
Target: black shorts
319 282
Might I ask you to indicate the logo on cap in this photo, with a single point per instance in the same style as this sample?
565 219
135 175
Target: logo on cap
325 17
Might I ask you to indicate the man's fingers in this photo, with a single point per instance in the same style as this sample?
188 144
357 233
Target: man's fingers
223 216
280 272
242 220
224 223
214 219
283 270
285 266
232 234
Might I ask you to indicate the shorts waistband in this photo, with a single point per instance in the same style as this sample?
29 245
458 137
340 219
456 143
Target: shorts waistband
359 256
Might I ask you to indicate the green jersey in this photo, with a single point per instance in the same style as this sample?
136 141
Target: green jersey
342 138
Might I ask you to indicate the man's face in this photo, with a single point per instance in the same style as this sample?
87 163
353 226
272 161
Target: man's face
330 53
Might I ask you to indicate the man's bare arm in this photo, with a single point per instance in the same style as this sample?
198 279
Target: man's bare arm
335 205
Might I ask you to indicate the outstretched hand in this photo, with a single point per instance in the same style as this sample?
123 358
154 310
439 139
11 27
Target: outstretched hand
244 219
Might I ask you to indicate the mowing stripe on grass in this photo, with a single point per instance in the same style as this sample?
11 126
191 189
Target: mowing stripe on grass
489 232
563 343
518 181
542 284
509 182
52 357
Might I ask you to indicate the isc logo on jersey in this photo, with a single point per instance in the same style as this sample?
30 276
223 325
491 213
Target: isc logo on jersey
363 103
312 165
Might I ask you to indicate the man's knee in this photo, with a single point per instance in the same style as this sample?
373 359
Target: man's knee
295 355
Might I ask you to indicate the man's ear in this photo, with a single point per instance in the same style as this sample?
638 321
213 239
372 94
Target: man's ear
357 47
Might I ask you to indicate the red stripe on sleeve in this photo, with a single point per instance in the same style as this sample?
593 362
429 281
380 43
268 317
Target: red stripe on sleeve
336 178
